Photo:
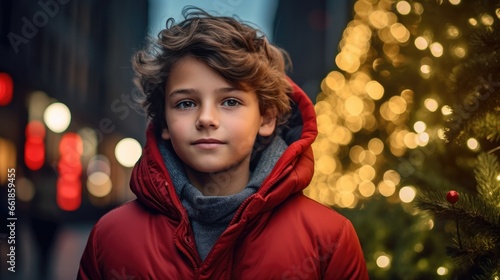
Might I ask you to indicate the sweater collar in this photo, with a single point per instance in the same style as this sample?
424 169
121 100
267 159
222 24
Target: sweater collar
217 210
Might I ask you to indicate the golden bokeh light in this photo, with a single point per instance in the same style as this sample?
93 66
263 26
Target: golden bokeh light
386 113
407 194
366 189
346 183
354 105
421 43
446 110
354 153
473 144
386 188
403 7
376 146
431 104
374 89
425 69
326 164
378 19
397 105
366 172
367 157
354 123
423 139
335 80
392 176
410 140
459 51
400 33
452 32
436 49
419 126
440 133
418 8
487 19
442 271
455 2
383 261
473 21
340 135
324 123
362 8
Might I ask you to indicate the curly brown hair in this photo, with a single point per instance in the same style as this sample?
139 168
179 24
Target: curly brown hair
239 52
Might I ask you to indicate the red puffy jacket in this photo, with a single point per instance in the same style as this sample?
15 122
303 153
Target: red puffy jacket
277 233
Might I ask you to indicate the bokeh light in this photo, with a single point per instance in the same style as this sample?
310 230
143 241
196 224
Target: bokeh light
473 144
403 7
383 261
442 271
99 184
407 194
431 104
57 117
128 151
6 89
421 43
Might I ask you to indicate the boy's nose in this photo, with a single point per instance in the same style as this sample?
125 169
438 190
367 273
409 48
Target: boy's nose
207 118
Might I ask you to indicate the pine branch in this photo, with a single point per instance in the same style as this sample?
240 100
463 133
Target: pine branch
475 87
479 225
475 217
490 269
474 251
487 170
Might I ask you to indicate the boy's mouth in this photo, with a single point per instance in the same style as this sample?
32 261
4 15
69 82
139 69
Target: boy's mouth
207 141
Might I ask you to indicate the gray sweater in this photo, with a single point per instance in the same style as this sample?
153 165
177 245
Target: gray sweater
210 215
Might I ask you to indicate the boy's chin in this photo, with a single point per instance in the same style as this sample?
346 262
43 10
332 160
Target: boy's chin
213 169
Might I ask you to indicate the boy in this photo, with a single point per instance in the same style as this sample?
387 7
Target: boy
219 184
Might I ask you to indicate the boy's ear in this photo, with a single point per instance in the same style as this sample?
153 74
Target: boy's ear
165 135
268 122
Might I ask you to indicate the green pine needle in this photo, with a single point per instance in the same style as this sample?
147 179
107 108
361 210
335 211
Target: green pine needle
487 172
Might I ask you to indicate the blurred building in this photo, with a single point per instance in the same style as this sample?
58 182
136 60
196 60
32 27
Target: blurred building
76 53
310 32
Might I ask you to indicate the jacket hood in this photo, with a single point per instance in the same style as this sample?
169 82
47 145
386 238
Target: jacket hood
152 184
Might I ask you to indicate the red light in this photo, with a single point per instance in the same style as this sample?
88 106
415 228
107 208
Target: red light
34 148
35 128
6 89
71 146
69 186
34 153
68 194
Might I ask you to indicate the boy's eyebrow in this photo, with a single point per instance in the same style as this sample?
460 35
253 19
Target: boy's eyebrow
182 91
192 90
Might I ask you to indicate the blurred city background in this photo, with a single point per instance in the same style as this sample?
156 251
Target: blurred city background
387 79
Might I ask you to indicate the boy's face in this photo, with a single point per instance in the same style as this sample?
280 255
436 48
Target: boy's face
211 124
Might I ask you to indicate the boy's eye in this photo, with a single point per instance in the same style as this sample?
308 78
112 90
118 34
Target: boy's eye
185 104
231 102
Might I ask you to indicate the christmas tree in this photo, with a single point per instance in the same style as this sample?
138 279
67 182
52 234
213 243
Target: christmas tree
476 82
412 112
